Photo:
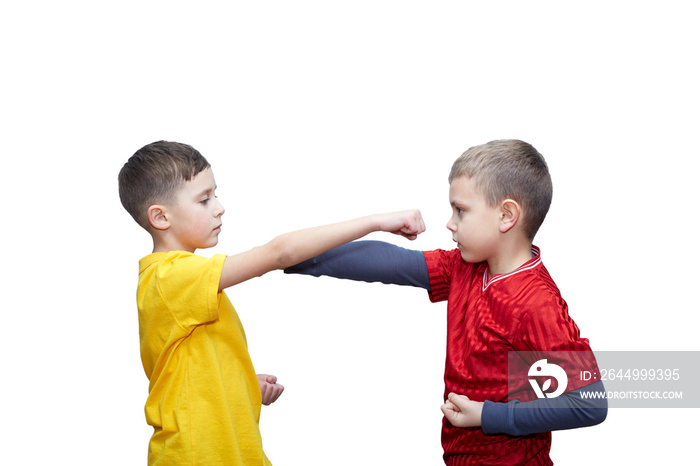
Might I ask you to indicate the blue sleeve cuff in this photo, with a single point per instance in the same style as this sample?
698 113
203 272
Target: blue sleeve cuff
494 417
568 411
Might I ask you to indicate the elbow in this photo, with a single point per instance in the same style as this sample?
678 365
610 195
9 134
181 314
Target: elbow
600 410
597 412
600 413
597 415
283 253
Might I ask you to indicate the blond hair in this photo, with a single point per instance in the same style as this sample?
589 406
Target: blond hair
509 169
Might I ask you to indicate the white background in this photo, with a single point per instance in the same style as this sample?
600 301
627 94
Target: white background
313 112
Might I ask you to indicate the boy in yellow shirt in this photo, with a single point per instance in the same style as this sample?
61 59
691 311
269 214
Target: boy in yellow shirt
204 396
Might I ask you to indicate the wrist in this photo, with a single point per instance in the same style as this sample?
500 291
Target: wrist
374 223
383 222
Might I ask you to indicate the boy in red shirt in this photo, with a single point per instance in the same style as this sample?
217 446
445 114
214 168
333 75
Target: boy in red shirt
500 301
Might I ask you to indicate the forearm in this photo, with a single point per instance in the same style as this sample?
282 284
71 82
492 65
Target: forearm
298 246
369 261
568 411
291 248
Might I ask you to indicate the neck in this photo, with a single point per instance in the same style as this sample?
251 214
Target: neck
163 245
509 260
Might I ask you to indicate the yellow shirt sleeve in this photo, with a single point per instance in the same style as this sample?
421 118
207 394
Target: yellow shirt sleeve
189 285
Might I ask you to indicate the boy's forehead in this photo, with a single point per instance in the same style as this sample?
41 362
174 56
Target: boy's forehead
463 188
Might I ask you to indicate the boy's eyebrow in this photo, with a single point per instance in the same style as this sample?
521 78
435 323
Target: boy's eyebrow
206 191
461 204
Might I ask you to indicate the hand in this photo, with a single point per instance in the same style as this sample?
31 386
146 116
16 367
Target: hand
461 411
269 388
408 223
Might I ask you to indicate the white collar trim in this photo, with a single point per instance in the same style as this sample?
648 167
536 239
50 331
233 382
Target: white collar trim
532 263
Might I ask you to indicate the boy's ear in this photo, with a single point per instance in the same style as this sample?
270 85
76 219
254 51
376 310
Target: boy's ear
157 217
510 214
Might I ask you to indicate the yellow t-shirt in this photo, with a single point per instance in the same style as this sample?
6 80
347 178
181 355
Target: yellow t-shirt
204 397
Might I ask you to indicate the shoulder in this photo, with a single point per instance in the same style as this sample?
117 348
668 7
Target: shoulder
446 260
538 292
447 272
442 254
179 264
544 312
528 295
180 278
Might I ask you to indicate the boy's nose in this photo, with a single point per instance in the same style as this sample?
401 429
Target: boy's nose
451 225
220 210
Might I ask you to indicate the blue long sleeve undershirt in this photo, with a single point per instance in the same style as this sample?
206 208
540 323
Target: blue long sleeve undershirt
376 261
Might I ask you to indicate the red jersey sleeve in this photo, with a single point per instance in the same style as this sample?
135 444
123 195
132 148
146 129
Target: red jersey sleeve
441 264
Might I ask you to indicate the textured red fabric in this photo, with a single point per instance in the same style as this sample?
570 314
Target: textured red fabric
486 319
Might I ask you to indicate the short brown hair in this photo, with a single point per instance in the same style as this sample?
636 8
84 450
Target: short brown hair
154 174
509 169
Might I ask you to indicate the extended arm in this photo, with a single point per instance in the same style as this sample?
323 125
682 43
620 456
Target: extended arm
292 248
369 261
376 261
586 406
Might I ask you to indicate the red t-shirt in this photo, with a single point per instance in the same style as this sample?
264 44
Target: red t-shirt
486 319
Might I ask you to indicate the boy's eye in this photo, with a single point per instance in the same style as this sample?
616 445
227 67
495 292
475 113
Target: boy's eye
204 201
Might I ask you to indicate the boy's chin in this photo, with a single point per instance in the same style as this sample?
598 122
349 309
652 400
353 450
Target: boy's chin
209 244
471 258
